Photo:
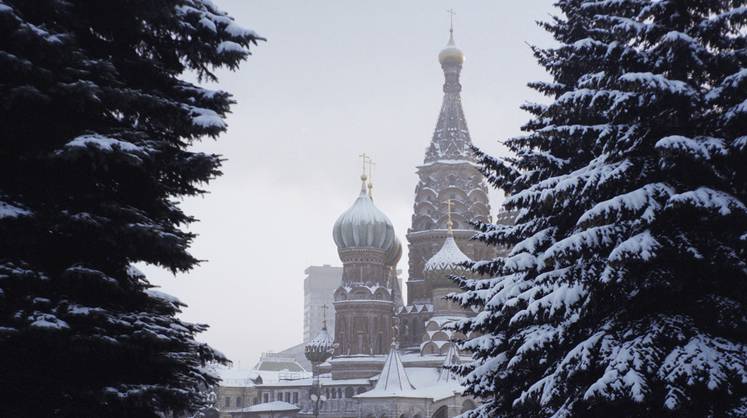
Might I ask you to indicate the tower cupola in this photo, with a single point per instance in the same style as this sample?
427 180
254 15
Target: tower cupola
451 55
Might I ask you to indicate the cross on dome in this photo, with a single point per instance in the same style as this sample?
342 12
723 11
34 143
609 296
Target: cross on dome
371 165
324 316
449 223
451 13
364 160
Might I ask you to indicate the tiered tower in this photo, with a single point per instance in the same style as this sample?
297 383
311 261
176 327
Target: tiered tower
449 173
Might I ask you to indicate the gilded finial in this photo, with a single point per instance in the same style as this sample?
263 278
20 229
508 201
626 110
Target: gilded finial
451 13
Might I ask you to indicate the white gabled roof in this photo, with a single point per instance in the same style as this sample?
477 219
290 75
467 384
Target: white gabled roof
449 256
452 359
393 380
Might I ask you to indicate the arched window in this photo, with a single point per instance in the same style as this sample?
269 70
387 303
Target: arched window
441 412
238 402
360 390
467 405
349 392
227 401
339 393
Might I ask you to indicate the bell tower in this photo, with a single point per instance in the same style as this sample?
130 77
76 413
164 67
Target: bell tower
449 173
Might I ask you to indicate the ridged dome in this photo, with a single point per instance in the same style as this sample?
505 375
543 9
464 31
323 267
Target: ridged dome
363 226
320 348
451 54
392 256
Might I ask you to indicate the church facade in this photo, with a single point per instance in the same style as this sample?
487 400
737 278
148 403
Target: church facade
389 357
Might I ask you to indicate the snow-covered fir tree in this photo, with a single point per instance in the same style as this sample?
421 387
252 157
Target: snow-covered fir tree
95 125
624 292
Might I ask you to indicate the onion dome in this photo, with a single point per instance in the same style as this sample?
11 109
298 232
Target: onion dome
319 349
363 225
451 54
392 256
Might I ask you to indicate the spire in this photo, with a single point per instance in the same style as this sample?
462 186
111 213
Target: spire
324 317
451 139
451 26
393 379
451 360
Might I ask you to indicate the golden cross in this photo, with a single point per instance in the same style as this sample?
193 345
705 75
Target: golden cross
371 165
324 315
449 224
364 159
451 13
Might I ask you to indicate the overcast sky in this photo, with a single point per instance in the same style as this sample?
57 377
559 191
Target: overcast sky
335 79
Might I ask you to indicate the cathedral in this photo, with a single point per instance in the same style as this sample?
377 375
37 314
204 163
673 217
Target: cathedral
388 357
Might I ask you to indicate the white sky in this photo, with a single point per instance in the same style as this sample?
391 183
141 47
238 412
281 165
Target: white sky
336 78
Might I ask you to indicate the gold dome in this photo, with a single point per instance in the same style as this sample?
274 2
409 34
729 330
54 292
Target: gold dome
451 54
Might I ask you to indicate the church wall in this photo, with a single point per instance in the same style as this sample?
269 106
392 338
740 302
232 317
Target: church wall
363 326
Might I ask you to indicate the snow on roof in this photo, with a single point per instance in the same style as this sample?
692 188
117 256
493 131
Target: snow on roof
449 256
393 380
242 377
363 225
426 385
364 358
236 377
275 406
323 341
442 320
447 161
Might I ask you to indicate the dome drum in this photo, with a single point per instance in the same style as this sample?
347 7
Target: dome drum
362 265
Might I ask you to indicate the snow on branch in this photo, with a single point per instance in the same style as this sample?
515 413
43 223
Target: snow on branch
642 246
592 238
658 83
12 211
709 199
700 148
103 143
205 118
704 361
646 201
164 297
